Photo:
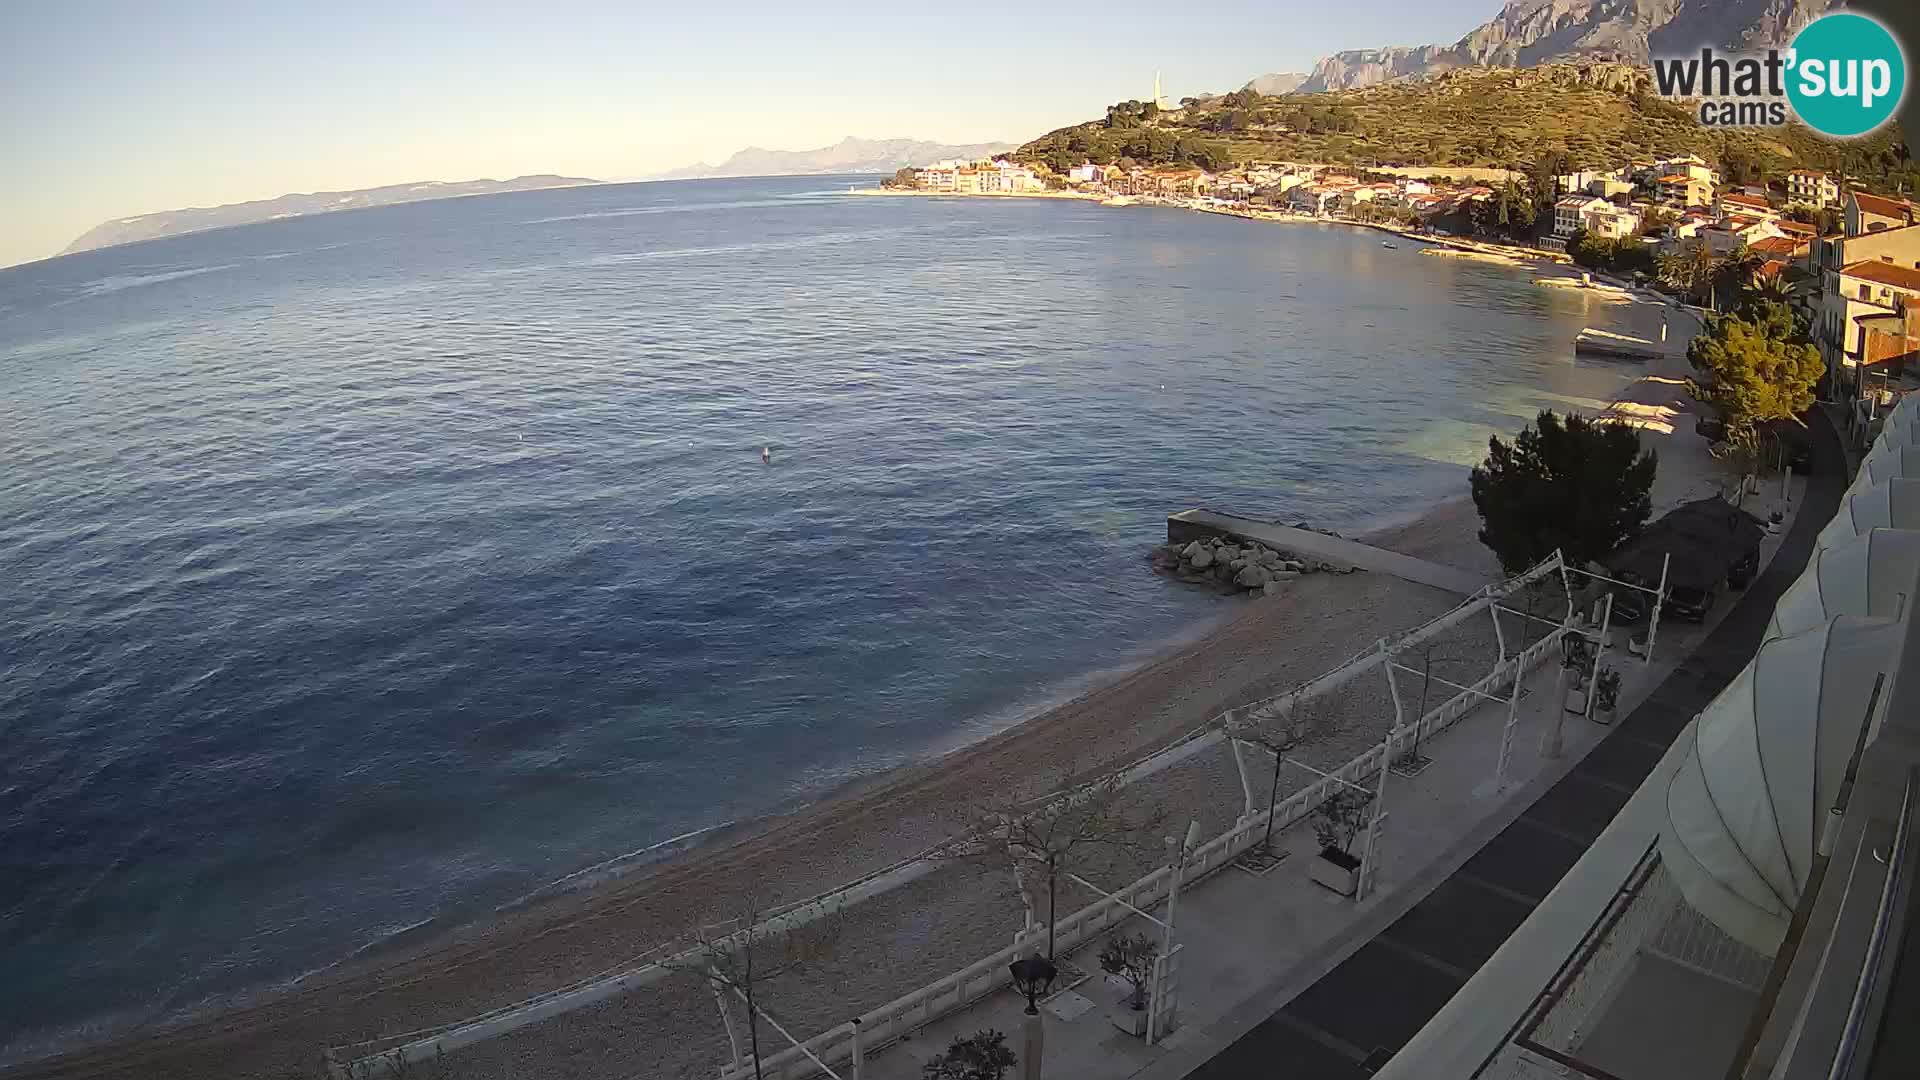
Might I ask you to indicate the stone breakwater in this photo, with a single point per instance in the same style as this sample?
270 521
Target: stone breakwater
1236 565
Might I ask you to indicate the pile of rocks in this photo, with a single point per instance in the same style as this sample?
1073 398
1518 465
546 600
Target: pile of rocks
1235 565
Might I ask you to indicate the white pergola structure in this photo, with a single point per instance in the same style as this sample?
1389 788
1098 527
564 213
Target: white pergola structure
1869 574
1385 656
1753 804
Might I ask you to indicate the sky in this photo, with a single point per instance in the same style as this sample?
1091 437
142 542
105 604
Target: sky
112 110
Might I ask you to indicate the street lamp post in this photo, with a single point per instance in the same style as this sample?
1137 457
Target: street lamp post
1033 976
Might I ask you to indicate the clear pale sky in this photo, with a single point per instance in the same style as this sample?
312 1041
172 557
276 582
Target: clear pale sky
111 110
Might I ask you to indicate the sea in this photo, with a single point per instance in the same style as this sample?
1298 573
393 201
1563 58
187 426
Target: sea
365 573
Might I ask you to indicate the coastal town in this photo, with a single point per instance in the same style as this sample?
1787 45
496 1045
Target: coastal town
1845 259
1398 565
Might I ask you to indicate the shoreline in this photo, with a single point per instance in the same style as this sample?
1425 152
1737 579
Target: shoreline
401 982
415 980
1512 255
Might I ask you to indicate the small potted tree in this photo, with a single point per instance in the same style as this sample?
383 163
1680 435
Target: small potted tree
1576 657
1130 957
1336 824
1606 694
982 1055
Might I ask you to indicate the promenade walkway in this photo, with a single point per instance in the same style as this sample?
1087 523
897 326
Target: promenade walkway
1336 550
1282 978
1347 1023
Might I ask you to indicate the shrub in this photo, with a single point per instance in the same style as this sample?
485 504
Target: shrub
1131 957
1570 484
1756 370
982 1055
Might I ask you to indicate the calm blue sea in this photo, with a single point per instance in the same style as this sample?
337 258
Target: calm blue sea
385 566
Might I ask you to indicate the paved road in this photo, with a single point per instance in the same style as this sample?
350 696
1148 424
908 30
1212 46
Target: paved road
1331 549
1358 1015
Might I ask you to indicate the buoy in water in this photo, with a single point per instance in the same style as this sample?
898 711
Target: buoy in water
766 454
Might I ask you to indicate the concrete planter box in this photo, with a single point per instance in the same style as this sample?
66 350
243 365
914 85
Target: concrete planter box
1336 870
1577 698
1130 1020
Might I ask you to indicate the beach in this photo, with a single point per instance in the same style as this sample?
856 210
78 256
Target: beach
1270 645
1258 648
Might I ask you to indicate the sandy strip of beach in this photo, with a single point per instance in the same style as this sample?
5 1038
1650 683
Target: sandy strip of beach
1263 648
1269 645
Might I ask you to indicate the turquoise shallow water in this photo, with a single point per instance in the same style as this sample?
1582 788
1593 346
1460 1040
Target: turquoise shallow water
386 566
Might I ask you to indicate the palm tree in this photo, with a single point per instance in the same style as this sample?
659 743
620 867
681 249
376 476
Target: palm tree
1691 270
1737 269
1769 287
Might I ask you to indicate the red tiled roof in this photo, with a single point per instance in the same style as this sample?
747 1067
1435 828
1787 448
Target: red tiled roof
1754 201
1795 228
1775 245
1675 178
1884 207
1771 268
1885 273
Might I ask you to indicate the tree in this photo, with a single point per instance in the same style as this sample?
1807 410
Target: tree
1131 957
1545 174
1510 210
1745 166
1656 220
1756 368
1765 288
1691 270
1284 725
982 1055
1339 818
1570 484
1054 839
1736 272
738 962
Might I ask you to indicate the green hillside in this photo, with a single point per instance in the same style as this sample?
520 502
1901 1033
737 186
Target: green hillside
1598 116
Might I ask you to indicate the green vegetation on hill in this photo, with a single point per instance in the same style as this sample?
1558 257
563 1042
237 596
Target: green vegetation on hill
1596 117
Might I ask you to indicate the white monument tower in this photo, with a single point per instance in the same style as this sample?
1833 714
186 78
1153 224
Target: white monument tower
1159 99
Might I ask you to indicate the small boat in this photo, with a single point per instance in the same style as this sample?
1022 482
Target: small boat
1389 244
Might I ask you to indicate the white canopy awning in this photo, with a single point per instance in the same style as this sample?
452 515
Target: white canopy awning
1890 459
1869 574
1746 809
1891 504
1901 429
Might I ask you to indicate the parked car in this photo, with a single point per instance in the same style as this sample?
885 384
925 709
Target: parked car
1686 603
1690 604
1629 606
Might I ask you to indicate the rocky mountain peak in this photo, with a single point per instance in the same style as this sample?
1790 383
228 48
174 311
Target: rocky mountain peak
1529 32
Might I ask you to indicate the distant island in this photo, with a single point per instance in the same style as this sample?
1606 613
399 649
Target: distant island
197 219
849 155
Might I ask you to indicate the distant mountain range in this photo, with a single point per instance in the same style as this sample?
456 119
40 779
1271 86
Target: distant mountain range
849 155
1277 83
197 219
1531 32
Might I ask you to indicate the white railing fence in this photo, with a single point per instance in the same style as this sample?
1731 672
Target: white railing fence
942 998
388 1055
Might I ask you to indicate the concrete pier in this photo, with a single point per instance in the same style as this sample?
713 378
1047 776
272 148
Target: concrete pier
1189 525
